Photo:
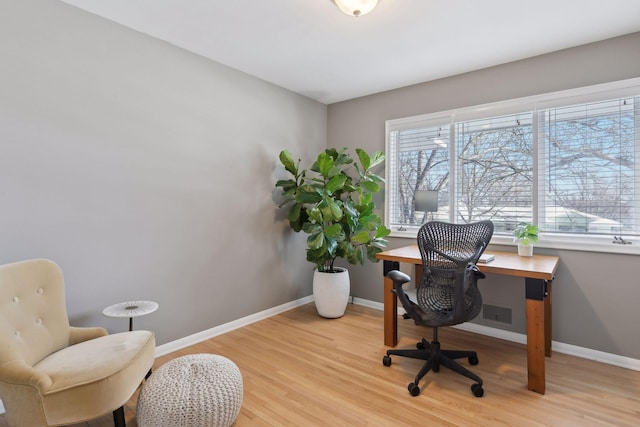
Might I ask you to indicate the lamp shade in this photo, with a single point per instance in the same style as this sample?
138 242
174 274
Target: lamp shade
426 201
356 7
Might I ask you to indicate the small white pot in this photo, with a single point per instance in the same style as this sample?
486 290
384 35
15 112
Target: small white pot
331 292
525 250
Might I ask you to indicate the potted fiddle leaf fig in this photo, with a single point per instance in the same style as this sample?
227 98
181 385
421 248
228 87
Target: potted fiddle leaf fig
332 201
526 234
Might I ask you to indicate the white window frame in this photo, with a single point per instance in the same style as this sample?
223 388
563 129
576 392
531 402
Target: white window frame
582 242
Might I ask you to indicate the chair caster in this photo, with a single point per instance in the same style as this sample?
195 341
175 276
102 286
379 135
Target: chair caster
473 360
386 360
477 390
413 389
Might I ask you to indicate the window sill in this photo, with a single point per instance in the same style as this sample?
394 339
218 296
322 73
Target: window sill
602 244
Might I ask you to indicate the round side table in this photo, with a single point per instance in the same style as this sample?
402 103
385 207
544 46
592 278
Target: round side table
130 309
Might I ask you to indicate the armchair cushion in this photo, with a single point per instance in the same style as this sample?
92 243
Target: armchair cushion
109 367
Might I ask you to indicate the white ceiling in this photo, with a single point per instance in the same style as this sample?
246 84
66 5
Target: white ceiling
310 47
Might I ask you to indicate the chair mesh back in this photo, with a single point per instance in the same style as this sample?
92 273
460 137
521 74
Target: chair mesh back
447 292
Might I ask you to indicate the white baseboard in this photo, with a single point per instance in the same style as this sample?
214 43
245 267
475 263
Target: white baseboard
573 350
368 303
560 347
181 343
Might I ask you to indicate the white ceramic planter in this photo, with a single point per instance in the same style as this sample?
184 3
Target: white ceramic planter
331 292
525 250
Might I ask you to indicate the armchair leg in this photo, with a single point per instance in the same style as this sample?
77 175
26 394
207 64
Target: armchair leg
118 417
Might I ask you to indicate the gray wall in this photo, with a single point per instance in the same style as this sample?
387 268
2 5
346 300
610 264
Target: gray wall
145 171
595 295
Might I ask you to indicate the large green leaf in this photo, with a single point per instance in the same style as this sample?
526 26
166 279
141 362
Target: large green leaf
334 231
365 199
350 209
370 220
287 161
371 253
311 228
361 237
360 254
379 243
331 245
285 183
377 158
294 212
370 186
325 164
375 178
365 160
315 215
336 183
308 194
314 241
382 232
341 157
336 209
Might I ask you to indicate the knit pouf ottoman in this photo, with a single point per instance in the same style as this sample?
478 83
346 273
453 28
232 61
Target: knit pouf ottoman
199 390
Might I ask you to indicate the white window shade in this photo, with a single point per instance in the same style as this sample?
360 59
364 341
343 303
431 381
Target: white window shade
494 170
419 161
590 160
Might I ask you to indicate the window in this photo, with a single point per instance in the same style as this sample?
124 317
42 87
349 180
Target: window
421 162
566 161
494 170
590 167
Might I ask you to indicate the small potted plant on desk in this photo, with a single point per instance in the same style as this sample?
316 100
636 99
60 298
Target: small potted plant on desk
526 234
333 203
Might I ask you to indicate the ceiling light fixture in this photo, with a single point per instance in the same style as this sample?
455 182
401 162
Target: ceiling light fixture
356 7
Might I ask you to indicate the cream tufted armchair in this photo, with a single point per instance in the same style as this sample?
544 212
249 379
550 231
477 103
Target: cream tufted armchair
55 374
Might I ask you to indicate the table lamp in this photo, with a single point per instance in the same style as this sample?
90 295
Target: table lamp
426 201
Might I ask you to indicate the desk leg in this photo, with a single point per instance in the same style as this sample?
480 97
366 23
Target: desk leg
390 307
547 321
536 333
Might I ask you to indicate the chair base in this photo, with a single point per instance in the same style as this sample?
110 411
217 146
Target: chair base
434 357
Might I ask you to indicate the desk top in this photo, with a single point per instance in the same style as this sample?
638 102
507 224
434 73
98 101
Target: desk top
508 263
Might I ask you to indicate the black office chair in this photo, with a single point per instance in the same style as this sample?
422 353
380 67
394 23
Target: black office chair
447 294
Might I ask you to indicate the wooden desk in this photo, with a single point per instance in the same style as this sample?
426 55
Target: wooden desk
538 272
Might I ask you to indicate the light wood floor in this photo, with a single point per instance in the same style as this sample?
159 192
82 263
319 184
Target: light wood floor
302 370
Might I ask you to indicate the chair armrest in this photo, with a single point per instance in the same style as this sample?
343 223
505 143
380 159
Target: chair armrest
78 335
413 310
19 373
398 277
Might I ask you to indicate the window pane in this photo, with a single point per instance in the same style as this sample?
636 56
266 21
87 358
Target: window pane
495 170
418 160
590 164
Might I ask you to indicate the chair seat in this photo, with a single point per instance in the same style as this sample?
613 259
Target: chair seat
93 360
111 366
